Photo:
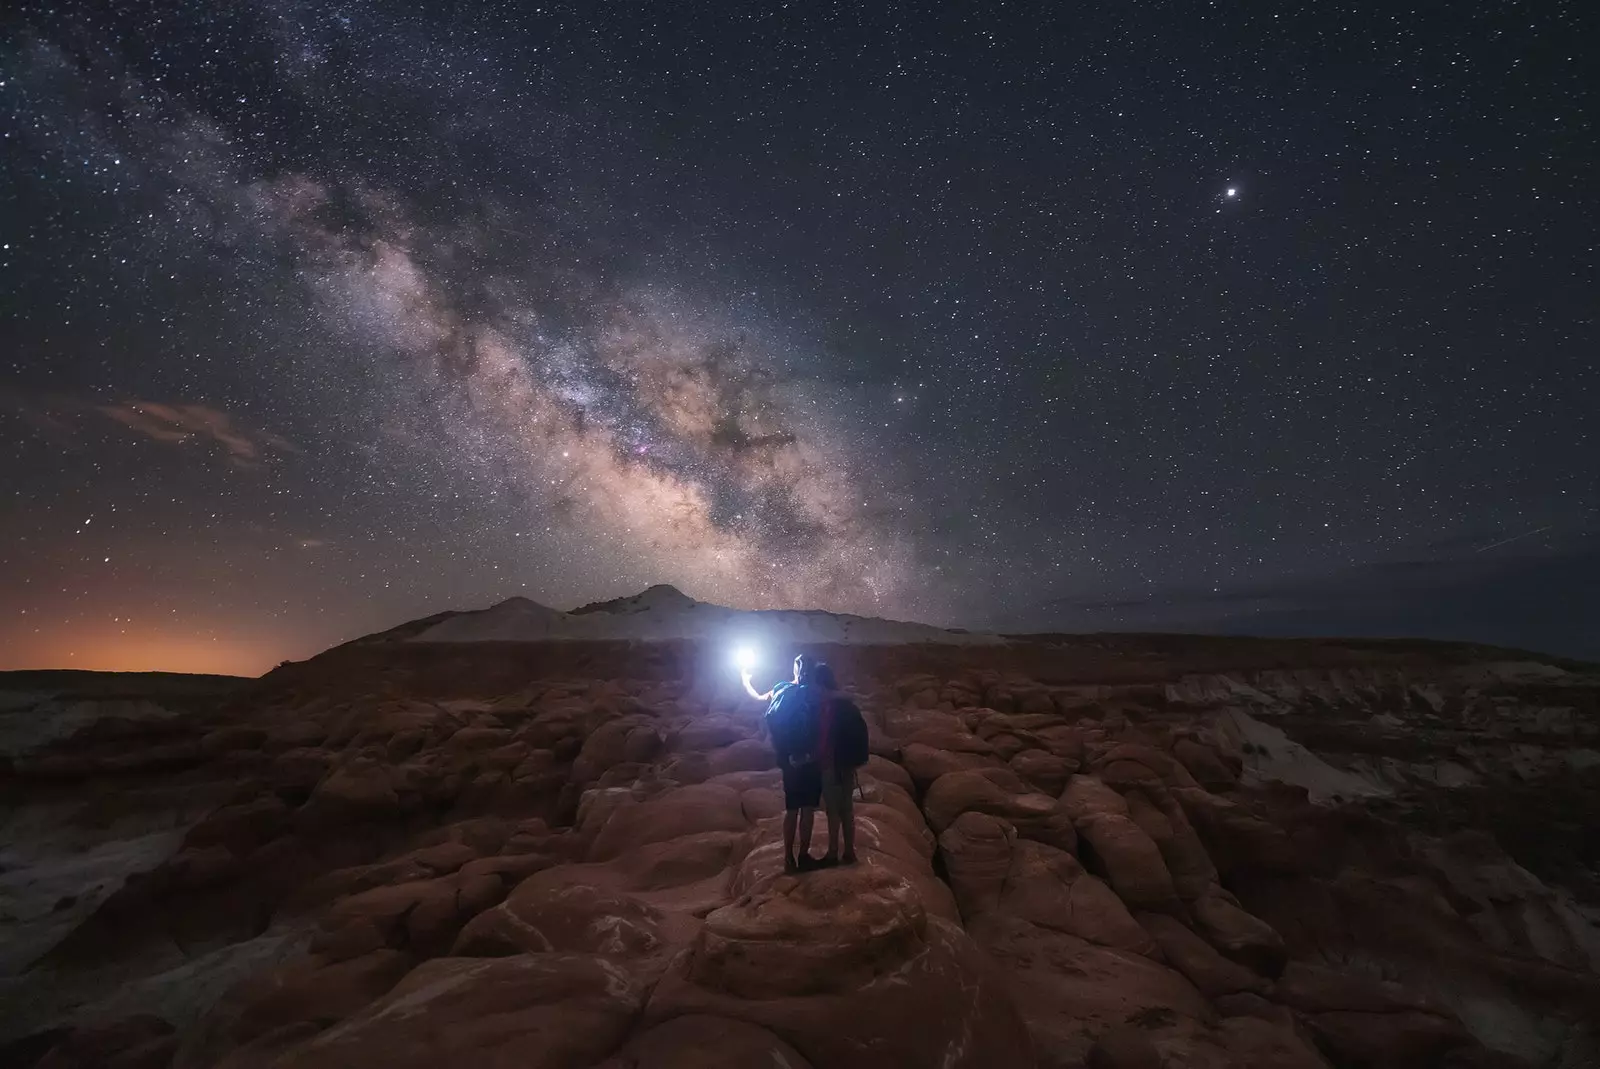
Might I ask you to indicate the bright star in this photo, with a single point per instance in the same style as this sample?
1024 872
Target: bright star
1232 192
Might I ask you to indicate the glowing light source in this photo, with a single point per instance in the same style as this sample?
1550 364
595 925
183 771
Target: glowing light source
1232 192
746 657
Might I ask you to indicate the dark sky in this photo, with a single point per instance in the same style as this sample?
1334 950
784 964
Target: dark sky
321 316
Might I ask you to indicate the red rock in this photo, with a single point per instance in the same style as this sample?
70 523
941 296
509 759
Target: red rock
1071 991
998 792
925 764
432 925
701 1042
1384 1040
676 813
141 1042
1258 1044
538 1011
977 856
1238 934
1133 864
847 967
708 733
1205 765
307 990
571 918
1124 1048
1048 888
1044 770
746 755
1191 955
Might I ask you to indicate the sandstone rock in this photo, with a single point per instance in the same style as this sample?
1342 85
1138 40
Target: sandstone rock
847 967
1132 862
307 990
1070 991
1237 934
1044 770
1252 1043
1048 888
1205 765
1124 1048
925 764
540 1011
572 918
709 733
676 813
977 857
746 755
701 1042
1213 974
998 792
141 1042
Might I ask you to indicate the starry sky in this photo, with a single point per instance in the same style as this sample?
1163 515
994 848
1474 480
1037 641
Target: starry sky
318 317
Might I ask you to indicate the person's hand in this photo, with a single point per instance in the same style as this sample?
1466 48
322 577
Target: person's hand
744 674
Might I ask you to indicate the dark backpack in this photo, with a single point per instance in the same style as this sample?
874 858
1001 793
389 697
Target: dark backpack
849 735
792 720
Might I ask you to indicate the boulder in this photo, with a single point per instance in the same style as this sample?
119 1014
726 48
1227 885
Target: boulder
925 764
571 918
671 815
1044 771
1206 968
1071 991
998 792
1048 888
701 1042
140 1042
1132 863
746 755
1241 936
539 1011
308 989
1205 765
977 856
847 967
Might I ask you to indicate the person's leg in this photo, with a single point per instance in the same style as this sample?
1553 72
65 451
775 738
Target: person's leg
830 802
808 816
847 814
790 817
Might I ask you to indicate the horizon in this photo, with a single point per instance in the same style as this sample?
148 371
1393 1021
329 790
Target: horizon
909 315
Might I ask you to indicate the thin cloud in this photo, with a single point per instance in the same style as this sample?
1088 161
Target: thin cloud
182 423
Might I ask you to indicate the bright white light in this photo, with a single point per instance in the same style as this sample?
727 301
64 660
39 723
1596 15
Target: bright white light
1232 192
746 658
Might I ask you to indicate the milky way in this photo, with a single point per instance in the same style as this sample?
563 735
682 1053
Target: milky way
320 317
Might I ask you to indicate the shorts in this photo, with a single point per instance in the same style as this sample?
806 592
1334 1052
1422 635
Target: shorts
838 791
802 785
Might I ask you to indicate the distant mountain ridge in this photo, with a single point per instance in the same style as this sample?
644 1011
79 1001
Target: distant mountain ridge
661 613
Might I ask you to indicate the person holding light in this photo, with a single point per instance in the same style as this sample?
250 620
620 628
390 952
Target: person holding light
791 721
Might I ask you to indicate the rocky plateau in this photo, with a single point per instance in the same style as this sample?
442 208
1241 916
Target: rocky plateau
456 844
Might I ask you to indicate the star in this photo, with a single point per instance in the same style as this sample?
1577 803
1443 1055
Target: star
1232 192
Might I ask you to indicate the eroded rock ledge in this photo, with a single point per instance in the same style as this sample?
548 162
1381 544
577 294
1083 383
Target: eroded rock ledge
1101 855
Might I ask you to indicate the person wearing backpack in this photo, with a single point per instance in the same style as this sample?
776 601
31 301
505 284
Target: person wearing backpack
791 723
842 748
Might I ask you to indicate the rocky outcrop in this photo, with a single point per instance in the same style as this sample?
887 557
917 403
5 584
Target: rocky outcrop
1072 853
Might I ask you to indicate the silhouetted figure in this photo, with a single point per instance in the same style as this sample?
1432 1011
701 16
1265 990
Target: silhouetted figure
791 722
841 749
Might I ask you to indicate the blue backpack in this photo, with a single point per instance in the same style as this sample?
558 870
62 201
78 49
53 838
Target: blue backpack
792 720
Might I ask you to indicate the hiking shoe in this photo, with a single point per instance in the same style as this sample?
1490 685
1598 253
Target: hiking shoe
790 865
827 861
848 859
806 863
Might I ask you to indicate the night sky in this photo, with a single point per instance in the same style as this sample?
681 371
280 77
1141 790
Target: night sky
317 317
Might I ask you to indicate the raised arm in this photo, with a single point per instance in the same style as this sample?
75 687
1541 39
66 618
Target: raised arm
751 690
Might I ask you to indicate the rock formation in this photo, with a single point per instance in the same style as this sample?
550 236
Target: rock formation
1075 851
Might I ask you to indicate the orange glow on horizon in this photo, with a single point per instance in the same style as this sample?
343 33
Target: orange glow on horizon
141 650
